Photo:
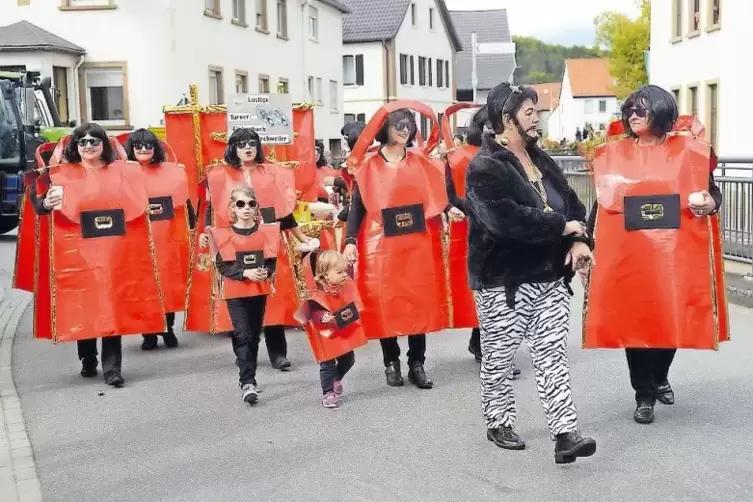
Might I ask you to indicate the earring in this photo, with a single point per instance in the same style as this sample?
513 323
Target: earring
504 141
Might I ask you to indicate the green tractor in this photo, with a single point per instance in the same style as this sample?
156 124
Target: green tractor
28 118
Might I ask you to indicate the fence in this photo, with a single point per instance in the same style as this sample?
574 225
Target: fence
734 176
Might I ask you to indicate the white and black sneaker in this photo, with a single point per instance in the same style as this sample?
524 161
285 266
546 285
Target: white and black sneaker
250 393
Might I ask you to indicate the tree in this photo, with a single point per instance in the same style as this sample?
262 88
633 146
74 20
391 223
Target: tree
540 62
626 40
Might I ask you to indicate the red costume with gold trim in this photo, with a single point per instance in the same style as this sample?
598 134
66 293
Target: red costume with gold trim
658 280
401 271
251 250
328 344
97 274
458 158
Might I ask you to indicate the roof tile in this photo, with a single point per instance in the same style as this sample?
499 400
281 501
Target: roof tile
24 36
590 77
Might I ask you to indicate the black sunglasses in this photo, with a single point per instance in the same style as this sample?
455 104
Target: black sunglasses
240 204
248 144
403 125
89 141
639 111
143 146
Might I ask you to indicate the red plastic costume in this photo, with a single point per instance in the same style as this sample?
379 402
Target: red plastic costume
250 251
97 273
463 306
658 281
323 173
348 333
303 151
401 271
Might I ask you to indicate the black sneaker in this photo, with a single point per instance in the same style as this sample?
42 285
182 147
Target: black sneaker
250 393
89 367
149 343
417 376
665 394
393 374
169 339
506 438
644 412
114 378
280 363
572 445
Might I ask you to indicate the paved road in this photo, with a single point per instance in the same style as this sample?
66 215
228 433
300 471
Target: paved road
179 431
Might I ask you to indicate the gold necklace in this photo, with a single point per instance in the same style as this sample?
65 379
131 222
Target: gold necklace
537 182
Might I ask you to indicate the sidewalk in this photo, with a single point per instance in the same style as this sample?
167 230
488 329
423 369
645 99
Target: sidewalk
739 283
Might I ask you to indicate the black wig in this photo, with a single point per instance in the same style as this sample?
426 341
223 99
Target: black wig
476 127
506 99
145 137
321 160
660 106
398 115
351 132
239 136
95 131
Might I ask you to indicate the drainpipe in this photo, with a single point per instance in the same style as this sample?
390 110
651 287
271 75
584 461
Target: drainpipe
76 87
386 53
304 37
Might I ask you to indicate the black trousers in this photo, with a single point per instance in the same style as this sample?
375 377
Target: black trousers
335 369
475 341
112 352
416 349
247 316
277 344
169 320
648 369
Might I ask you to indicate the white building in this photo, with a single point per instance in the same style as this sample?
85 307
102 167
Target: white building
587 99
691 46
397 49
549 96
142 54
491 26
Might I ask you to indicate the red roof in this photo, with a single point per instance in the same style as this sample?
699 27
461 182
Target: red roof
590 77
549 95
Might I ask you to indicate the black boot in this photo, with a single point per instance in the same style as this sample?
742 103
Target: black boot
149 343
571 445
476 351
89 367
169 338
417 376
505 437
114 378
393 374
665 394
280 363
644 412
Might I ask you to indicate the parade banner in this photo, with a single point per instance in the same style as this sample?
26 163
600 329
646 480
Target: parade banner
269 115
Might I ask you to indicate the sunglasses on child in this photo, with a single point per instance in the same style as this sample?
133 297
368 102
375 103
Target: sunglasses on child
89 141
248 144
639 112
240 204
143 146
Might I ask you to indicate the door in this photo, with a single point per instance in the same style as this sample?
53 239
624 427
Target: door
60 81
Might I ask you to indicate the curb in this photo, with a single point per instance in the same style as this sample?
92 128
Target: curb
18 472
739 290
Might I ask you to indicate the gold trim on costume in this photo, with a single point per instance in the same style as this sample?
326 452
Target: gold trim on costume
445 241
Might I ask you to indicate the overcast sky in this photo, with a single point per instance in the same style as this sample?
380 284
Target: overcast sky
565 22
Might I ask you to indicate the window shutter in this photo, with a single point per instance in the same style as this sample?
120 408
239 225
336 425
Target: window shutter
359 69
412 72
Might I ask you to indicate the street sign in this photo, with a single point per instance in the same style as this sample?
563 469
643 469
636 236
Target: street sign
270 115
495 48
489 48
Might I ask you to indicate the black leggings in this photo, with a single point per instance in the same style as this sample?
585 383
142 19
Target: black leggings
247 315
649 368
416 349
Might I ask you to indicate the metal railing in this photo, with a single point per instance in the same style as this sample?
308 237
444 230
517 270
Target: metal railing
734 176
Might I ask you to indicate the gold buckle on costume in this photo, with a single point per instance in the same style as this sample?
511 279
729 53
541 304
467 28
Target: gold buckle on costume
203 262
155 209
404 220
103 222
249 259
346 315
650 212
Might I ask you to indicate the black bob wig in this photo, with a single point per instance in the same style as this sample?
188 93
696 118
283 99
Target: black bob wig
351 132
660 106
506 99
393 118
145 136
95 131
321 160
239 136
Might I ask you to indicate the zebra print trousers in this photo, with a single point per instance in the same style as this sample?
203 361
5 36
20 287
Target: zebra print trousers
541 316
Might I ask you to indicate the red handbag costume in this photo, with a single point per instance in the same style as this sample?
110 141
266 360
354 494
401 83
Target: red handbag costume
463 307
97 272
346 308
658 280
400 271
302 151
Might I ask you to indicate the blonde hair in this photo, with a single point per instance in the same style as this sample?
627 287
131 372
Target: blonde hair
327 261
241 190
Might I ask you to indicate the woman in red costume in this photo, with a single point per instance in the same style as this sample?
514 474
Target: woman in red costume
171 216
97 274
275 189
656 201
394 232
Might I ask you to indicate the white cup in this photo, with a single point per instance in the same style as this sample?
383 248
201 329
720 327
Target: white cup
56 189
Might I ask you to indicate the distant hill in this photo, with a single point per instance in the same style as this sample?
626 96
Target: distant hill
540 62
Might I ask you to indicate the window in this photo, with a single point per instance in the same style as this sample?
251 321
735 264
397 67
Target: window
241 82
313 23
82 4
106 99
712 98
283 87
261 15
212 8
335 147
333 95
677 19
588 106
413 17
349 117
361 117
282 18
403 69
412 72
602 106
694 21
676 95
693 100
311 88
263 84
239 12
440 70
431 71
60 81
319 92
216 86
421 70
424 126
714 15
353 70
431 18
447 74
